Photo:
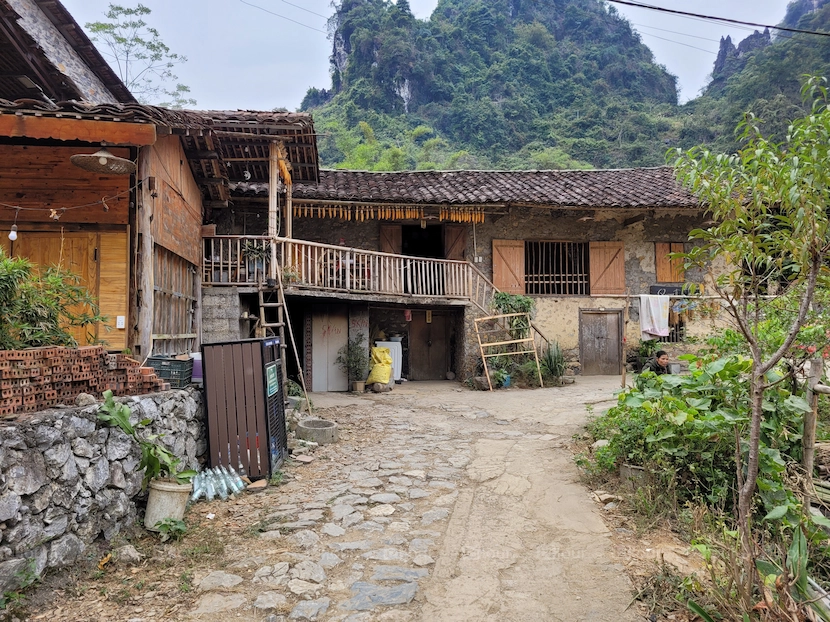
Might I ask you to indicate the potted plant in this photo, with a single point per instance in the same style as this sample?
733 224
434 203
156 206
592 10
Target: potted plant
169 486
353 358
258 254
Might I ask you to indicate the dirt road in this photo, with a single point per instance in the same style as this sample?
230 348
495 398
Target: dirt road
438 504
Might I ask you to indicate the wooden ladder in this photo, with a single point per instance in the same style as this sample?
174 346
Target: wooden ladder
272 320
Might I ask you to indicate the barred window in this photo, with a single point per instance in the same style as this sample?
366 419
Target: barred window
559 268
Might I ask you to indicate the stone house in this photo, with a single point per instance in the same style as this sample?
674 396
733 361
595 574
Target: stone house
419 255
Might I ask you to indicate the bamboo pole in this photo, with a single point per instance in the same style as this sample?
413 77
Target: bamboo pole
808 439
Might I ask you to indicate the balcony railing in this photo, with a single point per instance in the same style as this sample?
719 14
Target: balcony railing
322 266
236 260
245 260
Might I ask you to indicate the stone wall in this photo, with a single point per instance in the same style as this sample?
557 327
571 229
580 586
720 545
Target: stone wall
66 479
221 311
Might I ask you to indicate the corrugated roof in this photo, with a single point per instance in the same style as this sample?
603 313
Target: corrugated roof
622 188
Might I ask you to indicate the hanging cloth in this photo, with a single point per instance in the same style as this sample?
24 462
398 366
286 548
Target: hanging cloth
654 316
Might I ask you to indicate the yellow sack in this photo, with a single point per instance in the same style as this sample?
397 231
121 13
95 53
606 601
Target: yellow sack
382 356
382 366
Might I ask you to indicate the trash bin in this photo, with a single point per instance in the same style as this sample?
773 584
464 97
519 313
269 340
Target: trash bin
244 405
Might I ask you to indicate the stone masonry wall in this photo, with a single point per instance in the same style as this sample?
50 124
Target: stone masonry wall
66 479
221 313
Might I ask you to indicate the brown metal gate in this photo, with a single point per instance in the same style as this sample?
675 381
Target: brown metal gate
244 404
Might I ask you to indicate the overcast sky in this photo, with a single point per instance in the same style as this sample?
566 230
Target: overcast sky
242 57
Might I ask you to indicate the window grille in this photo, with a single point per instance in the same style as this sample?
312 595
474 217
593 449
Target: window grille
556 268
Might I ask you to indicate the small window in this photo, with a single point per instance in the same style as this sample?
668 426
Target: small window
669 270
557 268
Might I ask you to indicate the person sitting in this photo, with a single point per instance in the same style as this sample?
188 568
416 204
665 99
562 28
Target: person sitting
659 364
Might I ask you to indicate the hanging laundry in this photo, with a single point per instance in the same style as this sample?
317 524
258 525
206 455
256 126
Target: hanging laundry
654 316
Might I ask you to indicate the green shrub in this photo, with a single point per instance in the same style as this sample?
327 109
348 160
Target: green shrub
682 429
552 362
40 306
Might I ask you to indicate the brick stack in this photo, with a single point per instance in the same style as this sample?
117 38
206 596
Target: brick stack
37 378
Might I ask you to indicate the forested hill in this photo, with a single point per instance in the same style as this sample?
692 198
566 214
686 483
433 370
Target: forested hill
508 84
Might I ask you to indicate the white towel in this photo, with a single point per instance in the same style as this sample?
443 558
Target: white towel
654 316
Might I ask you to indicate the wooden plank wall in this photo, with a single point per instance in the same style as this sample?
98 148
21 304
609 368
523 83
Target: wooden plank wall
177 210
43 177
174 299
99 259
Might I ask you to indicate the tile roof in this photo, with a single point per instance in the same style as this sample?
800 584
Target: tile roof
622 188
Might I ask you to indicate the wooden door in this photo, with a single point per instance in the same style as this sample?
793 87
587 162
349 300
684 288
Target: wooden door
600 342
391 239
428 347
455 242
101 262
75 253
329 333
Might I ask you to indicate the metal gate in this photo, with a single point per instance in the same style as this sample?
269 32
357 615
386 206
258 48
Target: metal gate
244 405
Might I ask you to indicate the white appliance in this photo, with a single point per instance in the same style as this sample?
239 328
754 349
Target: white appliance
396 350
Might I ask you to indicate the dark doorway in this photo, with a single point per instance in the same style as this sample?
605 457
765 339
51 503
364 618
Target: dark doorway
426 242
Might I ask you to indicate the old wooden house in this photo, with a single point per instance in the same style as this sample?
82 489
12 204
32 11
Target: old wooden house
127 220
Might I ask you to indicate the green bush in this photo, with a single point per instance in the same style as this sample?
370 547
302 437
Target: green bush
682 429
40 306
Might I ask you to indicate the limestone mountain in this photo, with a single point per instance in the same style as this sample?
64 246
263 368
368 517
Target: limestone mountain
531 84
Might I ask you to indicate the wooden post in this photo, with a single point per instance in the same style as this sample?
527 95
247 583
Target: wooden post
808 440
273 187
289 210
625 329
145 284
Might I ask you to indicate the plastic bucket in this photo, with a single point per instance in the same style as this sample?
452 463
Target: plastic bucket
166 500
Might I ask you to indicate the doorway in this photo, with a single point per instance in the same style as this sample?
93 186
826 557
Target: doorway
422 242
329 333
600 341
428 345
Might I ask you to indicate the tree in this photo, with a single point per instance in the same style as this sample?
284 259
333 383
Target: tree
139 56
769 202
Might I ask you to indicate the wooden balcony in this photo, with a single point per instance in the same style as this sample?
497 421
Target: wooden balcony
236 260
312 266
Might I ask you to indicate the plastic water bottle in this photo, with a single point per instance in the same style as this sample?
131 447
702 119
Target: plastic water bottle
210 489
221 484
198 487
237 480
230 480
223 474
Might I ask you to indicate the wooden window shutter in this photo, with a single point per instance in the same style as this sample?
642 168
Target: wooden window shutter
391 239
607 266
455 242
509 266
669 270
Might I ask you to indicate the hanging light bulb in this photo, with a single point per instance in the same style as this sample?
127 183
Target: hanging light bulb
13 233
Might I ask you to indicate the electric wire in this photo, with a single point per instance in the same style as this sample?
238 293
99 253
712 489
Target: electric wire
694 47
102 203
719 19
674 32
302 8
283 17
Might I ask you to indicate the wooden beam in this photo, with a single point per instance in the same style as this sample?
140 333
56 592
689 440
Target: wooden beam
211 181
201 155
273 198
111 132
215 204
